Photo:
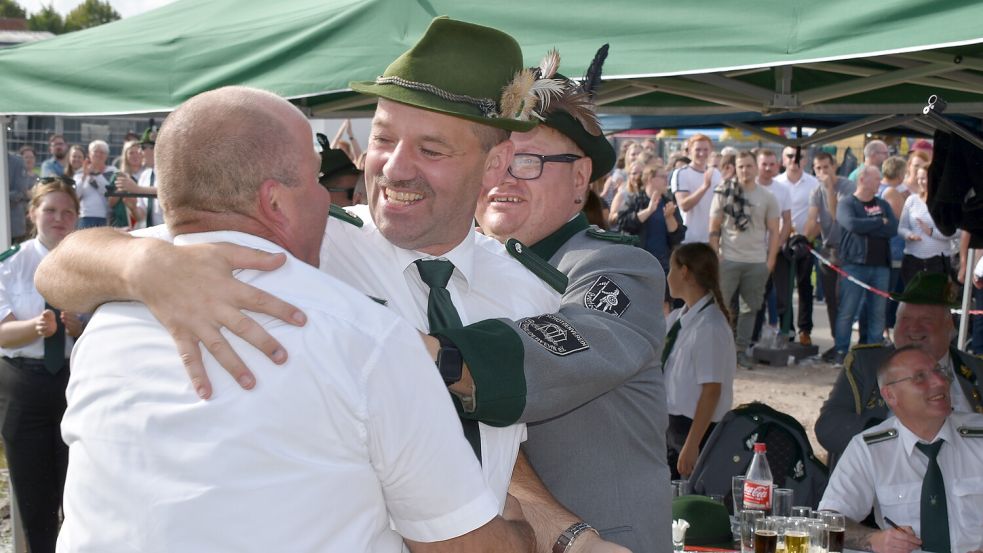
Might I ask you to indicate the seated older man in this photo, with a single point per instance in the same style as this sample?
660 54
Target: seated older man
921 470
855 403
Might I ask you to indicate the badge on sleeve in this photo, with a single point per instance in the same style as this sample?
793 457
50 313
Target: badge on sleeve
605 296
554 334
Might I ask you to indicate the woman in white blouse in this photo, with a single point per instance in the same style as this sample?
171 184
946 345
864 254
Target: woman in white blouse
699 358
926 248
35 343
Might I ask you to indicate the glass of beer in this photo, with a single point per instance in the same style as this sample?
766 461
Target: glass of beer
797 535
817 536
765 536
749 521
836 530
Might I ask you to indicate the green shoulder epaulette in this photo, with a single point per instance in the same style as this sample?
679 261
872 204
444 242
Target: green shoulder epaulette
970 432
539 266
342 215
11 251
615 237
884 436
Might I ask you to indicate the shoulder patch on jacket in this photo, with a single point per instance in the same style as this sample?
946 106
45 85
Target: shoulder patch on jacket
614 237
539 266
10 251
554 334
342 215
606 296
878 437
970 432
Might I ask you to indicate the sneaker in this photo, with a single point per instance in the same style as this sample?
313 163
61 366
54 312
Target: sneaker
745 361
829 355
839 358
805 339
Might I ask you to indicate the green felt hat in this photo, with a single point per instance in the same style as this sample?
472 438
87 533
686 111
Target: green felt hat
456 68
930 289
709 523
577 120
333 161
148 137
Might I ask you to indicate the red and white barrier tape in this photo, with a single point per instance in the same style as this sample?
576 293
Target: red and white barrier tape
869 288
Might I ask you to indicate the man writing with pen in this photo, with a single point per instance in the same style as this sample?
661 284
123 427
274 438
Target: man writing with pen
921 470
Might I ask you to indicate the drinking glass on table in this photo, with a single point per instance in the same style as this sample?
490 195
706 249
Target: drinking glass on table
781 502
835 531
737 488
801 511
765 535
817 535
680 487
797 535
749 519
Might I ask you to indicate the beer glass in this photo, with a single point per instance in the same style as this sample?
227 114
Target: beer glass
797 535
749 519
781 503
836 531
765 536
801 511
737 489
817 536
680 487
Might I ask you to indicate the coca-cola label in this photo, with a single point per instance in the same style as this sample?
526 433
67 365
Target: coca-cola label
757 496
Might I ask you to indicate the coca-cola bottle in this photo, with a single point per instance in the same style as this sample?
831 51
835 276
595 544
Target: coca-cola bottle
757 483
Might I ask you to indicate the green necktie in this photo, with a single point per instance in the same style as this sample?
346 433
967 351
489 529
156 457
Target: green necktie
150 201
935 512
436 273
54 345
671 340
441 314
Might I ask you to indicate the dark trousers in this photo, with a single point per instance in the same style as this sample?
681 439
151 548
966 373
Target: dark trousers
830 278
676 438
803 283
977 321
32 403
911 266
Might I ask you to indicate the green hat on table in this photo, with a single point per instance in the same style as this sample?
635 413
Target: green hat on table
573 115
464 70
709 523
929 289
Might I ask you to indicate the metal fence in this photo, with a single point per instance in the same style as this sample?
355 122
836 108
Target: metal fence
34 131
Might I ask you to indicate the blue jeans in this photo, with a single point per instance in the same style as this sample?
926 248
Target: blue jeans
90 222
851 299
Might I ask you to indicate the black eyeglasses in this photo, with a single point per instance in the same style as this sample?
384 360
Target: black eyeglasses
68 181
530 166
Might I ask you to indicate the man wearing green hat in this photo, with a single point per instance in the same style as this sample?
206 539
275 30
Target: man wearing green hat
437 138
924 320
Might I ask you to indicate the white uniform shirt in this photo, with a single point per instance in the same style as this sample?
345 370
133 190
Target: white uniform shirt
91 191
697 220
355 428
19 297
799 194
692 363
486 284
888 477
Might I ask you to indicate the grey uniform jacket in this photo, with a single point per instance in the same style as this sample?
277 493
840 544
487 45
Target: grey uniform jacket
589 382
855 404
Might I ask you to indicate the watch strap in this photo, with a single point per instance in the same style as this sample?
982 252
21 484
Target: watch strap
566 539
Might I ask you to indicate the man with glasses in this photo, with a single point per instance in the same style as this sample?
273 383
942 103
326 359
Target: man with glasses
54 166
744 231
921 471
855 402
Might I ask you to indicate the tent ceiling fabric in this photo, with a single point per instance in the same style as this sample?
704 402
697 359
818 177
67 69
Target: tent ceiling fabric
833 61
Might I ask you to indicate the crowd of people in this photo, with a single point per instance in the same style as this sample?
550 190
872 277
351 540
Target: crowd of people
531 387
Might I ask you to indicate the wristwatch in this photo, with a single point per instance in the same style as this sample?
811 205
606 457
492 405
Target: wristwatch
449 361
569 535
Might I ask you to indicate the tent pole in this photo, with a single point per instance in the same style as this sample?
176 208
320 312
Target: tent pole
5 237
967 289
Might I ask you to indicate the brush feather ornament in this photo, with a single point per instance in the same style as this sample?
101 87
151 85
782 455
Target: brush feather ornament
531 90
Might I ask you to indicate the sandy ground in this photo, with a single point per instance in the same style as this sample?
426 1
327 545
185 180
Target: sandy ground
798 390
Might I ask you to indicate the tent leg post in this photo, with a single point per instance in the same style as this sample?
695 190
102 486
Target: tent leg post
967 294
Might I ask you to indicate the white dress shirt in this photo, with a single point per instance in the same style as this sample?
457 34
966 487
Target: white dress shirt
486 284
692 363
888 476
799 193
697 220
19 297
355 430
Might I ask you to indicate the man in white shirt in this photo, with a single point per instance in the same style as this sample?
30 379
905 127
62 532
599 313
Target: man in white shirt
800 186
767 171
921 471
693 188
152 468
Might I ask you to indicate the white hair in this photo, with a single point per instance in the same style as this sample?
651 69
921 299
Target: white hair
98 146
869 148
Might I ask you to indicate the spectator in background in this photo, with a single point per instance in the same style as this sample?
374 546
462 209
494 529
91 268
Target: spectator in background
55 165
776 292
627 196
127 211
800 186
649 145
699 379
652 215
728 166
91 184
894 192
743 228
18 196
923 146
350 147
821 221
30 158
875 152
619 175
926 249
148 180
74 161
693 187
867 224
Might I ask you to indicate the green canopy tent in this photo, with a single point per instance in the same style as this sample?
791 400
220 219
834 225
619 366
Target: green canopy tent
869 65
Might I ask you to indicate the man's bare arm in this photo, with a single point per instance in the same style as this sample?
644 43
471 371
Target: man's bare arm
863 538
190 289
498 535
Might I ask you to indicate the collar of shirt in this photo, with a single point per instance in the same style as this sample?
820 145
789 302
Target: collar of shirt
232 236
689 314
548 246
39 248
909 439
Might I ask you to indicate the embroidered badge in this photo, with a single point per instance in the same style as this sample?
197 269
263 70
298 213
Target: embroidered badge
605 296
554 334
